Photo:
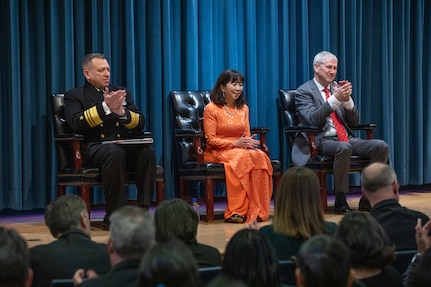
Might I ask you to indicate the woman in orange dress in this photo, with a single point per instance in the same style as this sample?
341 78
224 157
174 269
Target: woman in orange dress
248 169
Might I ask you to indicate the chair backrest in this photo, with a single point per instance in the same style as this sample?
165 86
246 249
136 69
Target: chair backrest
288 111
207 274
287 272
187 113
403 259
64 149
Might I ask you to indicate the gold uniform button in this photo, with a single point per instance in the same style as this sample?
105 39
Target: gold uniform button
117 124
101 125
102 136
118 135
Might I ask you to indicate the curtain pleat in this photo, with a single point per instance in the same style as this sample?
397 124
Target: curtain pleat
155 47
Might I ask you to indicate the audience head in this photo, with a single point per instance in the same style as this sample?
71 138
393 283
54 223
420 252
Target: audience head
176 219
65 213
226 77
131 233
15 268
379 182
297 208
249 257
323 261
169 264
226 281
366 240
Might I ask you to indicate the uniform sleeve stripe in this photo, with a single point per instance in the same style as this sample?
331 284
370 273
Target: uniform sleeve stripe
92 117
134 120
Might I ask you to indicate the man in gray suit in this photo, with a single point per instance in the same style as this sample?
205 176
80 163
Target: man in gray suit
315 101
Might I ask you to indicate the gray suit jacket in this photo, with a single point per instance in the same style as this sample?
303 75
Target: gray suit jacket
313 111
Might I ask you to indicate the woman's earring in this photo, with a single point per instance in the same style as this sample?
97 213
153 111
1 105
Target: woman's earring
223 94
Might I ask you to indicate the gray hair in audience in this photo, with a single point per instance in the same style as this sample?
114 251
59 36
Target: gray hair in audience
64 213
132 231
381 175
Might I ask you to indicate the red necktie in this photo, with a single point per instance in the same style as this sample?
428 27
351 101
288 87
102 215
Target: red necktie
341 131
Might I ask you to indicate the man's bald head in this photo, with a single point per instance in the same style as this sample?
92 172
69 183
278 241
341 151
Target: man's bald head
379 182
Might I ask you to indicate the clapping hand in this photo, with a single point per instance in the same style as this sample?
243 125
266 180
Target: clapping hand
423 240
342 90
247 142
114 100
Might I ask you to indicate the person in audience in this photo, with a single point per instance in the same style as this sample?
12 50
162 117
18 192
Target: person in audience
226 281
68 221
371 251
323 261
380 186
328 105
176 219
298 213
15 270
417 273
248 169
249 257
132 234
169 264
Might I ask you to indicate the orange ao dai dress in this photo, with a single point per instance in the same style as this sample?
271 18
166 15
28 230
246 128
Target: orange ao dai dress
248 171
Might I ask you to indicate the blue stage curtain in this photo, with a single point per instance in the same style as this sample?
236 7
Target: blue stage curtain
158 46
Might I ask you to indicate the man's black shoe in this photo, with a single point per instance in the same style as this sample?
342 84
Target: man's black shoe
364 204
341 207
105 223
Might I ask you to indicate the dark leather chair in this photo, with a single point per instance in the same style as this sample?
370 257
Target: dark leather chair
70 169
287 272
403 259
189 146
208 274
321 164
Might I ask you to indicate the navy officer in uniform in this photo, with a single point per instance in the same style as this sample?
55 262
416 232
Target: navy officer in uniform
104 112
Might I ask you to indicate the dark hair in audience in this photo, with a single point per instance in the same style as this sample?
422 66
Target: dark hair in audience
176 219
169 264
324 262
226 77
367 241
421 276
131 231
297 207
14 259
226 281
64 213
250 258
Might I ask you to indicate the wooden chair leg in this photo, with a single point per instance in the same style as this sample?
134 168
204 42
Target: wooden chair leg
85 194
61 190
183 186
323 191
209 193
160 191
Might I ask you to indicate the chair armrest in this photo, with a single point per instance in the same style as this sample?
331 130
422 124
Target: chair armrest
311 131
75 140
68 137
188 133
197 136
369 128
261 131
